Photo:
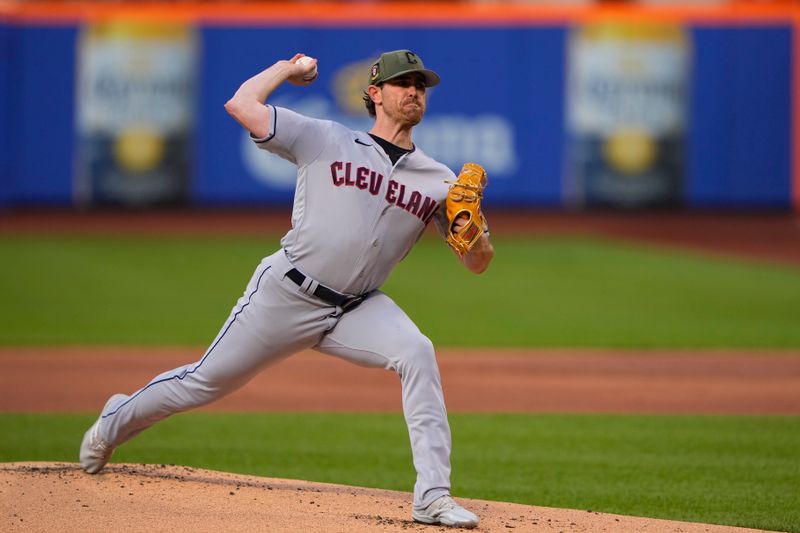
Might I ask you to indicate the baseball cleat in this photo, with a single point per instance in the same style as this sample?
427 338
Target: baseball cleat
447 512
95 452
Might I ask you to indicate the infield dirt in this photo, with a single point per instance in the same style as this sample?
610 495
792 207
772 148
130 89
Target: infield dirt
577 381
44 497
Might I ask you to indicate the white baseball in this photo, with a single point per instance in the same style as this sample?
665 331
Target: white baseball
311 75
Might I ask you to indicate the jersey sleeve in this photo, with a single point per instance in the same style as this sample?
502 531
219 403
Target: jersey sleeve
294 137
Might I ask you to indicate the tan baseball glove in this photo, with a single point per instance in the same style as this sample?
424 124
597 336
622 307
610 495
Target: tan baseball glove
464 202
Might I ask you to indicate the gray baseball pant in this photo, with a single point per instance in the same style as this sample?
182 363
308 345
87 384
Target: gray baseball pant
273 320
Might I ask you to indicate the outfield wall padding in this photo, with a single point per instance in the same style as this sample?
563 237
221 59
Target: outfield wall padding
502 100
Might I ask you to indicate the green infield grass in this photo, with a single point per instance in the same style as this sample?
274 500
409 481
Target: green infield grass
540 292
741 471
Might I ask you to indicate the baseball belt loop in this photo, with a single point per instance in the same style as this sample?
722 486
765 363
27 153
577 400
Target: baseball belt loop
309 285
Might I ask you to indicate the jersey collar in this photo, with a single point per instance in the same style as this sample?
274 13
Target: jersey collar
411 159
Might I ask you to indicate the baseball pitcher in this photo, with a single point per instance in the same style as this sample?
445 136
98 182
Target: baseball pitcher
362 201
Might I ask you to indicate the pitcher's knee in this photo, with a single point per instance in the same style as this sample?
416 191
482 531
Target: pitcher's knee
418 355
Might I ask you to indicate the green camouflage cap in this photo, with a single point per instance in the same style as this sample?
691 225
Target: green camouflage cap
393 64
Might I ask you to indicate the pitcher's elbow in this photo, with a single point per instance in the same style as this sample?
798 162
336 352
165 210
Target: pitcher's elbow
231 106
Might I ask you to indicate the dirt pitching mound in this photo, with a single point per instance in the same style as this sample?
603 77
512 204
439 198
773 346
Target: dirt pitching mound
60 497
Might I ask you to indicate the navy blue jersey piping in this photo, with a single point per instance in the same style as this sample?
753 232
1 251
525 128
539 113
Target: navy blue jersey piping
274 125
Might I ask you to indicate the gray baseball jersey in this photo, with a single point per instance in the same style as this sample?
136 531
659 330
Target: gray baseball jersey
355 216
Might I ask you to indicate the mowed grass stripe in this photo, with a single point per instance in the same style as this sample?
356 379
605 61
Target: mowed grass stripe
540 292
741 471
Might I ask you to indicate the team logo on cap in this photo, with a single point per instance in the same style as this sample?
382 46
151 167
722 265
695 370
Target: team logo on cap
375 70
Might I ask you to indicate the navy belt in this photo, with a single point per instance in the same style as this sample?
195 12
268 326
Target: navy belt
347 303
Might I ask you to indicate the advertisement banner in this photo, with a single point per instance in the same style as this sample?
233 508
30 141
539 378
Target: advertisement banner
105 111
135 108
627 114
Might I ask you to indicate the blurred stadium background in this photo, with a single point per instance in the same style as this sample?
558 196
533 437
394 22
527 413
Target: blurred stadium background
133 209
569 105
